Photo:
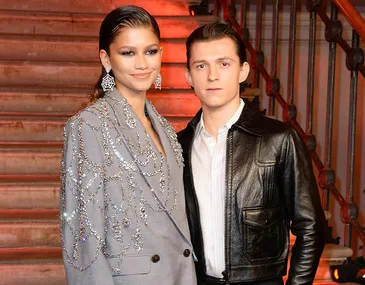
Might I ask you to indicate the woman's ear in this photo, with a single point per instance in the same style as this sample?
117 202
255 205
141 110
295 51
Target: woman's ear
105 60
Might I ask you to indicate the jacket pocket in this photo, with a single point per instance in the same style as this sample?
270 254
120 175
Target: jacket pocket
264 233
131 265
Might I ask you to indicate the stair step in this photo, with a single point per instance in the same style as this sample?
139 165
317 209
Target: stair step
30 145
29 178
73 51
170 103
154 7
74 74
336 253
30 162
33 274
332 254
18 130
29 196
88 26
44 134
17 215
31 234
30 254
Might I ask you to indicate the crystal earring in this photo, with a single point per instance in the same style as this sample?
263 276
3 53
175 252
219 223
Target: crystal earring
107 83
158 82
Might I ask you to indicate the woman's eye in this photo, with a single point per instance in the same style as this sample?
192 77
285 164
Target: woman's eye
152 51
127 53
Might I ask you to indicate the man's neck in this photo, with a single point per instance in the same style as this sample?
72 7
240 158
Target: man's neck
214 118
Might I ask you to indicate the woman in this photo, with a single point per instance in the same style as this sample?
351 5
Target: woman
122 203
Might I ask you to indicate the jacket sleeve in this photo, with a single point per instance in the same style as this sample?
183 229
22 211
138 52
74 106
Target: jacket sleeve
82 206
303 204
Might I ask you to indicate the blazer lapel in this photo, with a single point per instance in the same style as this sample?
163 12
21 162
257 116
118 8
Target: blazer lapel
133 135
174 162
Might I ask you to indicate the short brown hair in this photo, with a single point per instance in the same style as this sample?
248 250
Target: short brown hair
215 31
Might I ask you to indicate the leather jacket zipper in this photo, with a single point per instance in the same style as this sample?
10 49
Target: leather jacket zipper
225 273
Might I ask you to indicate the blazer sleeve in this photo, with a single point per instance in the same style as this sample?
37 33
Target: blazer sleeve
82 223
306 214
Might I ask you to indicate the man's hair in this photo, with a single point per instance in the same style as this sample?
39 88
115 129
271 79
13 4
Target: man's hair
215 31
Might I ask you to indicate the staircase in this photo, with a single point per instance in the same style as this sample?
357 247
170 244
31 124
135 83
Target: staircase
48 65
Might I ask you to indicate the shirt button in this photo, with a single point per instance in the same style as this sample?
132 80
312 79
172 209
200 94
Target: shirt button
155 258
186 252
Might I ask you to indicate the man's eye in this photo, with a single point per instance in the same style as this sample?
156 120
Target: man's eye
127 53
225 64
200 66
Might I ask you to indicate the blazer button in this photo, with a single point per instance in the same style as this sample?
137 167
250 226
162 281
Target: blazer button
155 258
186 252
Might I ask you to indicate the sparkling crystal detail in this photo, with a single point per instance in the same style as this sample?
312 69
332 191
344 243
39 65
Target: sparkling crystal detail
158 82
107 83
75 251
126 223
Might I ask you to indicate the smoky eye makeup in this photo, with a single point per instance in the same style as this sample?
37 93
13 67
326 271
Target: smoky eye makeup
152 51
126 53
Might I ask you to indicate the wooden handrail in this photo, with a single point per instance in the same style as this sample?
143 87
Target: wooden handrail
353 16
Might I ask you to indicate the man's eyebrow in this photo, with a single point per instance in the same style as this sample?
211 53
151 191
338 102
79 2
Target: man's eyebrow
218 59
224 58
199 61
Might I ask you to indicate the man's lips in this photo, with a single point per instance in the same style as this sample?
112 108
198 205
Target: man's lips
214 89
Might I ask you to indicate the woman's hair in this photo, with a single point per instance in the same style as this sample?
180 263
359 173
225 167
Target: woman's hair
113 25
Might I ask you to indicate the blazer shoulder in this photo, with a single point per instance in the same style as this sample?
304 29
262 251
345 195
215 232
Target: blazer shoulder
90 115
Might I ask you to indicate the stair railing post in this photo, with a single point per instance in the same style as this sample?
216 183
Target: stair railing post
354 58
273 85
258 37
292 44
327 175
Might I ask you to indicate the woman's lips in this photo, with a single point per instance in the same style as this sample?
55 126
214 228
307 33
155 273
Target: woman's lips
141 75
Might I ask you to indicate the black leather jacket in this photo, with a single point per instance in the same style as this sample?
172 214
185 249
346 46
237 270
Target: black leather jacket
270 190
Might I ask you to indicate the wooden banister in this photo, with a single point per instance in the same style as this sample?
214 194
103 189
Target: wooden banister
353 16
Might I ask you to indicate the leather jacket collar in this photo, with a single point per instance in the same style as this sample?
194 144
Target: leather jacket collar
248 121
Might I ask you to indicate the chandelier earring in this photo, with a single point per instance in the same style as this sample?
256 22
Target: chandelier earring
158 82
107 83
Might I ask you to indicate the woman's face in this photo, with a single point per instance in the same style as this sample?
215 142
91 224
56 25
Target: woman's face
135 59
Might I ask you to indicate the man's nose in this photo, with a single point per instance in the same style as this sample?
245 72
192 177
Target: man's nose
213 74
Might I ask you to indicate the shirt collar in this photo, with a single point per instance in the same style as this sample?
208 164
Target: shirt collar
227 125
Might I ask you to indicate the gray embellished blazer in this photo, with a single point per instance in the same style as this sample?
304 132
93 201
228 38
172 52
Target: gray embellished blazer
123 215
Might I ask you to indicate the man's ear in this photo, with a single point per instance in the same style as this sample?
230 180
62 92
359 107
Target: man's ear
188 77
245 70
105 60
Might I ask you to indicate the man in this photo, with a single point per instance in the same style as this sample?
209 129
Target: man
248 178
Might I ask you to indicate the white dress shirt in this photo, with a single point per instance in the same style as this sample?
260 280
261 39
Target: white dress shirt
209 173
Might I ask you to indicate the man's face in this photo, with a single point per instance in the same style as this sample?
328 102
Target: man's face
215 72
